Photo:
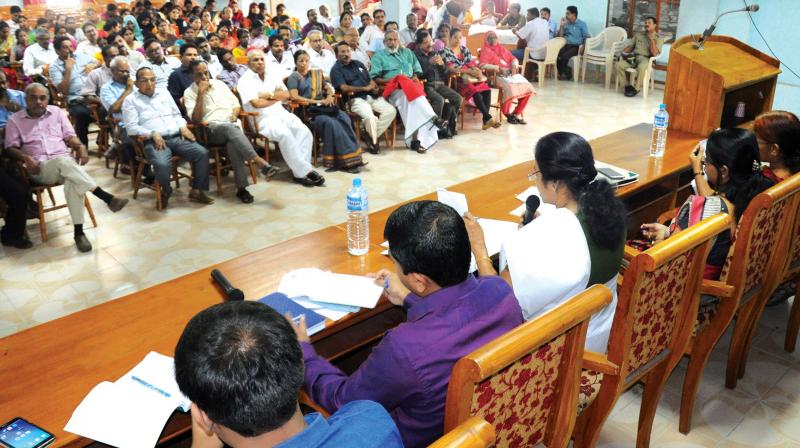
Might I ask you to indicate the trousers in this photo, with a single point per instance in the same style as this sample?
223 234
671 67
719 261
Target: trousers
566 53
238 147
187 149
641 67
293 138
83 118
437 93
16 195
75 179
367 108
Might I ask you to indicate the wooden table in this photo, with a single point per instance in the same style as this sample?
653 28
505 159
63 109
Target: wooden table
47 370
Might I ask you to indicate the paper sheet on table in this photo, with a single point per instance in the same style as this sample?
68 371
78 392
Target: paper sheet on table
340 289
456 200
329 310
159 370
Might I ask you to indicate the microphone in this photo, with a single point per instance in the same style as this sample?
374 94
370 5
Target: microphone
231 293
710 30
531 204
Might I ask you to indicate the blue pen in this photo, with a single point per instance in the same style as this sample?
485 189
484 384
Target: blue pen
386 282
150 386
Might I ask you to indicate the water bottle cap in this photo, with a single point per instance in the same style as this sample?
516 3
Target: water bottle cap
357 182
662 106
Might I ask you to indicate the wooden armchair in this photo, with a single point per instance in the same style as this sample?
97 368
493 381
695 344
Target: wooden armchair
56 96
656 308
792 274
250 127
141 161
103 127
748 278
475 432
344 103
219 154
525 382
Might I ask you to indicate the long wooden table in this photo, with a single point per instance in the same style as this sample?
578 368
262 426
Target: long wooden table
47 370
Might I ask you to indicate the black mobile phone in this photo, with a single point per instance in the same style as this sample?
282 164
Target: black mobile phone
611 174
20 433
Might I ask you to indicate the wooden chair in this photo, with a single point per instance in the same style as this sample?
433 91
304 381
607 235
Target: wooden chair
103 128
553 46
648 83
219 155
55 94
656 309
475 432
792 274
39 190
250 127
525 382
344 104
452 82
744 287
142 161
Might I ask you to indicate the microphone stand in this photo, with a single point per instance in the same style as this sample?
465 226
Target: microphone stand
710 30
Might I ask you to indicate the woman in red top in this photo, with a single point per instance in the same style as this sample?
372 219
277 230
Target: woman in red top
471 80
778 135
498 57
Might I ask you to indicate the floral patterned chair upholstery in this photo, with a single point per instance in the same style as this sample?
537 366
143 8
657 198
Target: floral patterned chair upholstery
525 382
475 432
656 309
792 273
751 273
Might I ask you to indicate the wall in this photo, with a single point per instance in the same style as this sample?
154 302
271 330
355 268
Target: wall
593 12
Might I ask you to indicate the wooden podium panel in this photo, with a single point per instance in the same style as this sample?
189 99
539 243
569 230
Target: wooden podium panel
704 86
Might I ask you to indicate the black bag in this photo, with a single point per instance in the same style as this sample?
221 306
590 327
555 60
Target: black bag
316 109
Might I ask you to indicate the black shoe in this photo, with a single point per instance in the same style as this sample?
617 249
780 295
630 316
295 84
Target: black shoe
628 89
83 243
631 93
19 243
164 201
416 146
512 119
439 123
304 181
244 196
268 171
316 178
372 148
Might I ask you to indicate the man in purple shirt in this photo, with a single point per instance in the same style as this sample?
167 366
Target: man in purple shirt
231 71
41 135
450 313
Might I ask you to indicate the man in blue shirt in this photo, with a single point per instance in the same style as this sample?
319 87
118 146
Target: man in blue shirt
575 32
545 15
68 73
241 365
10 102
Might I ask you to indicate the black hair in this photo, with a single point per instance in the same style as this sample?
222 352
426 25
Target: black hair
573 10
653 18
281 18
195 63
391 22
567 158
308 13
280 6
546 9
199 40
111 23
149 42
225 23
534 12
210 35
186 47
299 53
41 21
87 24
737 149
3 24
241 32
364 14
140 70
377 11
240 362
441 27
59 40
341 17
15 10
454 30
273 38
106 52
420 36
429 238
340 45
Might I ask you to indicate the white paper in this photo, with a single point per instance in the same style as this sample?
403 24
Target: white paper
456 200
495 232
530 191
543 206
321 286
158 370
332 312
519 211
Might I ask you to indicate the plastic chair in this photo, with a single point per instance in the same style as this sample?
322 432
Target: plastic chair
649 81
602 49
553 46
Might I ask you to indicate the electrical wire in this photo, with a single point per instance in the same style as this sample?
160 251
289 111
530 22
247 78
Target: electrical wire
750 15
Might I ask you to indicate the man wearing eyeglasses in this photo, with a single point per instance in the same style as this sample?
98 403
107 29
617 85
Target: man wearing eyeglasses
161 66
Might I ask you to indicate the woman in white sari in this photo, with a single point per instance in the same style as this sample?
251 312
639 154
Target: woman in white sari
563 251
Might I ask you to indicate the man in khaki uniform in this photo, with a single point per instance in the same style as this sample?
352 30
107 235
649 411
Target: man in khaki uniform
646 44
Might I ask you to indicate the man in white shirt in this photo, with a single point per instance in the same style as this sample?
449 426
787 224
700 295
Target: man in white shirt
321 58
278 60
432 19
39 55
151 112
356 52
264 93
324 16
161 66
98 77
210 101
211 59
135 59
408 34
374 31
536 33
15 20
89 46
347 6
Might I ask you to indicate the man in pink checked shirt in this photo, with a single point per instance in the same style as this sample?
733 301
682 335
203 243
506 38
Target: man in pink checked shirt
41 136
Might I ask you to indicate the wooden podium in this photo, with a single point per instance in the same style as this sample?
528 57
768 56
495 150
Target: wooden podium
704 87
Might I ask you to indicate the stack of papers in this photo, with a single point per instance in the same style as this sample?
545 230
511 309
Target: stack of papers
315 322
132 411
330 288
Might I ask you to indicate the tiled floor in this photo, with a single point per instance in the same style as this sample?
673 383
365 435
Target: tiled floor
140 247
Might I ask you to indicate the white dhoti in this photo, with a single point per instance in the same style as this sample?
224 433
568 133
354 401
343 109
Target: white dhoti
417 118
293 138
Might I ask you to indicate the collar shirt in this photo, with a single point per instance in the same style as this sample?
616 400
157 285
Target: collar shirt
408 374
553 27
251 85
285 66
179 80
14 96
434 74
36 57
135 60
214 66
88 49
323 60
576 33
641 44
387 65
371 33
42 138
218 102
536 33
353 74
358 54
110 93
78 78
162 70
146 114
96 79
12 26
231 77
407 36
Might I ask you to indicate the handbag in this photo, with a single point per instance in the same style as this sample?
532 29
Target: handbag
316 109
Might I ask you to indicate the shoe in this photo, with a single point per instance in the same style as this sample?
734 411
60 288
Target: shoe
268 171
316 178
520 120
117 204
496 124
19 243
416 146
371 147
200 196
245 196
439 123
512 119
164 201
83 243
304 181
489 124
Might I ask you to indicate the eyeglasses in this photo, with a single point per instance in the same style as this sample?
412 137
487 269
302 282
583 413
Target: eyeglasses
532 175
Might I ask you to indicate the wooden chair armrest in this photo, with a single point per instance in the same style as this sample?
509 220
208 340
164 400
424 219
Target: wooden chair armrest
304 399
629 253
599 363
717 289
248 114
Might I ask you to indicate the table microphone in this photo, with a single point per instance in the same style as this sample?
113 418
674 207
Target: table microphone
231 293
531 204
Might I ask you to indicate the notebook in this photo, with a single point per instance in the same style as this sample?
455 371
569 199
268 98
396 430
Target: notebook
283 304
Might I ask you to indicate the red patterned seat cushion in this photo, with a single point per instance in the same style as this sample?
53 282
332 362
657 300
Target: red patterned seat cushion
590 387
706 312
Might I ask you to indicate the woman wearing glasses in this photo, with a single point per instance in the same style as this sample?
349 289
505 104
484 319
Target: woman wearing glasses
563 251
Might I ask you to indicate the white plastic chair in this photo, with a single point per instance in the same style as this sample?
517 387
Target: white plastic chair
648 83
602 49
553 46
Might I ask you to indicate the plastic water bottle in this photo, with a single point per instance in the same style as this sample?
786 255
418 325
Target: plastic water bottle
659 139
357 219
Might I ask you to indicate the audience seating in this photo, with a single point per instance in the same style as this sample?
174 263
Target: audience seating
792 274
219 156
647 84
142 161
525 382
656 309
747 275
475 432
602 50
344 104
553 46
